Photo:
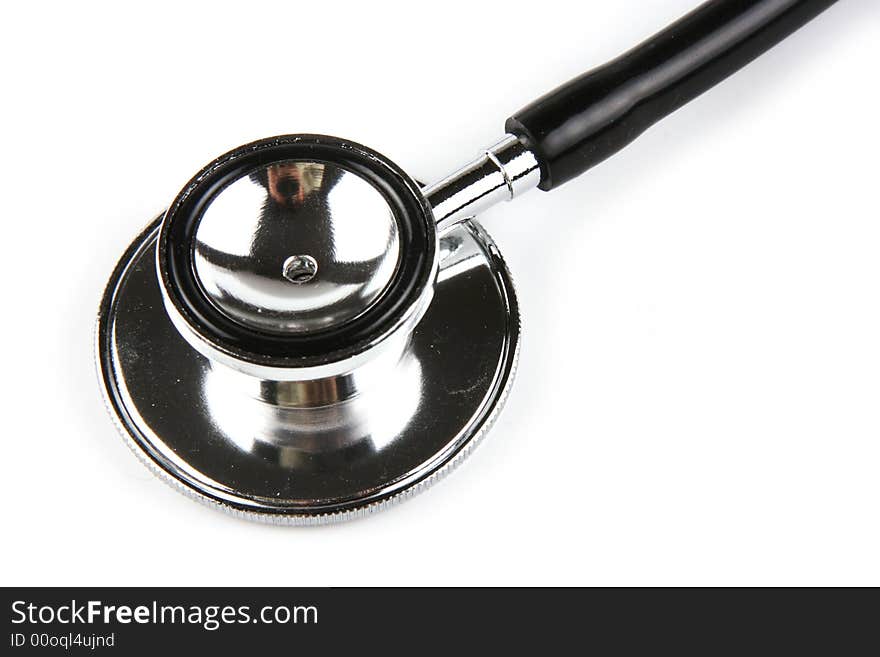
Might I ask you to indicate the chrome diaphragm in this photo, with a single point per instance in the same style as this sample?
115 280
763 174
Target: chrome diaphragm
296 247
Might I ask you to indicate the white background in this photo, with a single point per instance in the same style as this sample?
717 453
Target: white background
698 400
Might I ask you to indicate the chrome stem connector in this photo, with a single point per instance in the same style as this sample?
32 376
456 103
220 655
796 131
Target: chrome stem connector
501 173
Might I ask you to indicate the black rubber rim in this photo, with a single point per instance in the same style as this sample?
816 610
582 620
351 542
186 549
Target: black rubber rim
415 228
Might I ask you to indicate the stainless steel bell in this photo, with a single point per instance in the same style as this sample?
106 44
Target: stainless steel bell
295 341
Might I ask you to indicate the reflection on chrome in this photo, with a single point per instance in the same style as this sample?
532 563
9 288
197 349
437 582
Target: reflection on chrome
270 420
313 212
456 257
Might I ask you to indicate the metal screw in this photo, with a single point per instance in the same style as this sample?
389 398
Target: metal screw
299 269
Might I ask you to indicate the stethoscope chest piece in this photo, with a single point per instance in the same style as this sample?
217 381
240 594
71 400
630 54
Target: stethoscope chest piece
292 341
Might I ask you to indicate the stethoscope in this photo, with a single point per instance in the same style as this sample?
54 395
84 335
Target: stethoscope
307 334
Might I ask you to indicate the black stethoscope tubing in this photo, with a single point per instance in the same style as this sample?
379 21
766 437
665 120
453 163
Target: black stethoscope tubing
586 120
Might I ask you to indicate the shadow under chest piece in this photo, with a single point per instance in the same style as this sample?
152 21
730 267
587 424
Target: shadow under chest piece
307 334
